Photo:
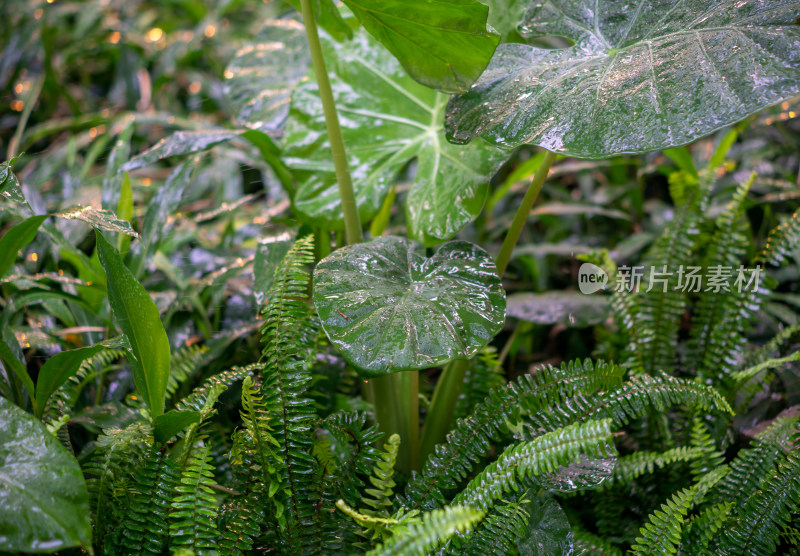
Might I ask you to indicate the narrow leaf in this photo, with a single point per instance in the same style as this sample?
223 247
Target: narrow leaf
138 318
15 239
171 423
57 370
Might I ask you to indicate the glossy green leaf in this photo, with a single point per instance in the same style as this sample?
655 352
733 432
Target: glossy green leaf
180 143
568 308
328 17
443 44
10 187
641 76
505 16
104 220
44 504
138 318
260 77
56 370
12 362
549 532
269 254
387 307
171 423
388 120
15 239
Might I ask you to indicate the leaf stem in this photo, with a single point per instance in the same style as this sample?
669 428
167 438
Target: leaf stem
512 236
443 405
352 224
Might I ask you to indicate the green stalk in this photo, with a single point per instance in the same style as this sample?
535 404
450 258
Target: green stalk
352 224
445 396
443 405
521 217
394 396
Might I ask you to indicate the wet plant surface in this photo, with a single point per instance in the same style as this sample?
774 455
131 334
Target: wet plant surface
383 277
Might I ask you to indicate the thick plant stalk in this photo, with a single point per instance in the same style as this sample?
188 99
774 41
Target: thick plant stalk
352 224
443 405
394 396
522 213
445 396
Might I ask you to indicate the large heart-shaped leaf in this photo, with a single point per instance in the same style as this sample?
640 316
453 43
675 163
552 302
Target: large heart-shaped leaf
387 119
443 44
387 307
44 504
261 76
641 76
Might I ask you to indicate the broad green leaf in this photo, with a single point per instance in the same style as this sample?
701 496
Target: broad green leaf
505 16
15 239
443 44
387 307
178 144
10 361
99 219
138 318
260 78
328 17
549 532
388 120
171 423
640 77
44 504
56 370
568 308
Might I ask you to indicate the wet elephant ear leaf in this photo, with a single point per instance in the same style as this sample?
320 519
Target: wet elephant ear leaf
641 76
44 504
388 120
387 307
443 44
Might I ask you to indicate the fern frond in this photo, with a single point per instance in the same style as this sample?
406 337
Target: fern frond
522 462
146 525
288 334
471 438
482 377
587 544
183 365
194 508
700 530
662 532
352 444
660 305
781 241
752 465
240 524
711 457
757 526
638 463
379 498
66 396
207 393
435 527
497 533
717 334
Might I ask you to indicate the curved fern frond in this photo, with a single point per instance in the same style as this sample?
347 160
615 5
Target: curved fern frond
379 498
146 525
637 464
194 508
205 395
471 438
497 533
757 526
240 524
662 532
435 527
522 462
781 241
711 458
700 530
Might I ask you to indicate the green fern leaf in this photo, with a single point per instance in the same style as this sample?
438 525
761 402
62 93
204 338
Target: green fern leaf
435 527
379 498
194 508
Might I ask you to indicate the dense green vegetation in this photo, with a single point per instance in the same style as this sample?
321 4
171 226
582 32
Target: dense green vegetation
399 277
